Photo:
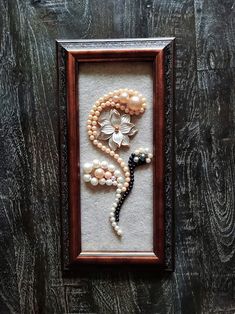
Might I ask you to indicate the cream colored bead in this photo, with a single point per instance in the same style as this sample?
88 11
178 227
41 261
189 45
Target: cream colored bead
134 103
108 175
99 145
127 174
99 173
116 156
123 97
92 137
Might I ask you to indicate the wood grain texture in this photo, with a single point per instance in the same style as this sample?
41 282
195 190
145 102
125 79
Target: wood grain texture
31 280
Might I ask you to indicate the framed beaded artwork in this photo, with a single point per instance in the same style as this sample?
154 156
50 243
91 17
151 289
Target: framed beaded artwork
116 151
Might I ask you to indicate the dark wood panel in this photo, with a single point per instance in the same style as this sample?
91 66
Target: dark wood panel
215 26
31 279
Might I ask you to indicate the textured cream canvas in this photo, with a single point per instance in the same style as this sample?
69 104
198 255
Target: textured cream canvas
136 217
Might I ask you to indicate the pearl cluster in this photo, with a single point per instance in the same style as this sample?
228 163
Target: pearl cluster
129 101
101 173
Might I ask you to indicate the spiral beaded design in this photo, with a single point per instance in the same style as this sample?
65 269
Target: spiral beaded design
130 102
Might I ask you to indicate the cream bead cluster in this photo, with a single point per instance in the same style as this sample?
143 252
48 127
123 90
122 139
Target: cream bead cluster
131 102
101 173
143 153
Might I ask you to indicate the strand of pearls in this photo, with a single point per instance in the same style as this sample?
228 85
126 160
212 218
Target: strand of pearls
131 102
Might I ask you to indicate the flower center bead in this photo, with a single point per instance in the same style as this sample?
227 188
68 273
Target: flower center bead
117 128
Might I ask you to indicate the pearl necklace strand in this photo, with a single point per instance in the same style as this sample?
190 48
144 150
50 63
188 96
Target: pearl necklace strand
131 102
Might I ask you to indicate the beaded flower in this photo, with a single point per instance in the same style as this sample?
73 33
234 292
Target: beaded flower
116 128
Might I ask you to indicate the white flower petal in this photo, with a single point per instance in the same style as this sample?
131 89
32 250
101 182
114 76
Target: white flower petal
103 136
117 138
115 118
112 145
107 129
133 131
126 127
126 140
103 122
125 118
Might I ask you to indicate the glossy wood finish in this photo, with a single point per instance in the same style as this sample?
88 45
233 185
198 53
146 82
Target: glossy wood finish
149 50
31 279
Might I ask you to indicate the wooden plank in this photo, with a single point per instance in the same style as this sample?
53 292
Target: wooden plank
217 188
215 26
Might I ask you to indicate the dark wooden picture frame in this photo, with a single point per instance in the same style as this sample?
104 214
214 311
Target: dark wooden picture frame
160 51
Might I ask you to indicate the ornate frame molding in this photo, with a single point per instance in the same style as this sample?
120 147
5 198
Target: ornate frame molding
161 52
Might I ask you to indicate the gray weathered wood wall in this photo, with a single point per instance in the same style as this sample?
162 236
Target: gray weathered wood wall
31 279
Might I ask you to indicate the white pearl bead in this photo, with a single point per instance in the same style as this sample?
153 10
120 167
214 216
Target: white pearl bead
113 209
96 163
118 191
141 150
120 179
119 232
136 159
102 181
87 177
146 150
150 155
114 224
109 182
111 214
117 228
115 183
148 160
111 168
112 219
87 167
118 195
117 173
94 181
119 185
137 152
114 204
116 199
104 164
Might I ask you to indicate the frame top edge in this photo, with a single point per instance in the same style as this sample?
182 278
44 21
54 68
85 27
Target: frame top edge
60 40
129 43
